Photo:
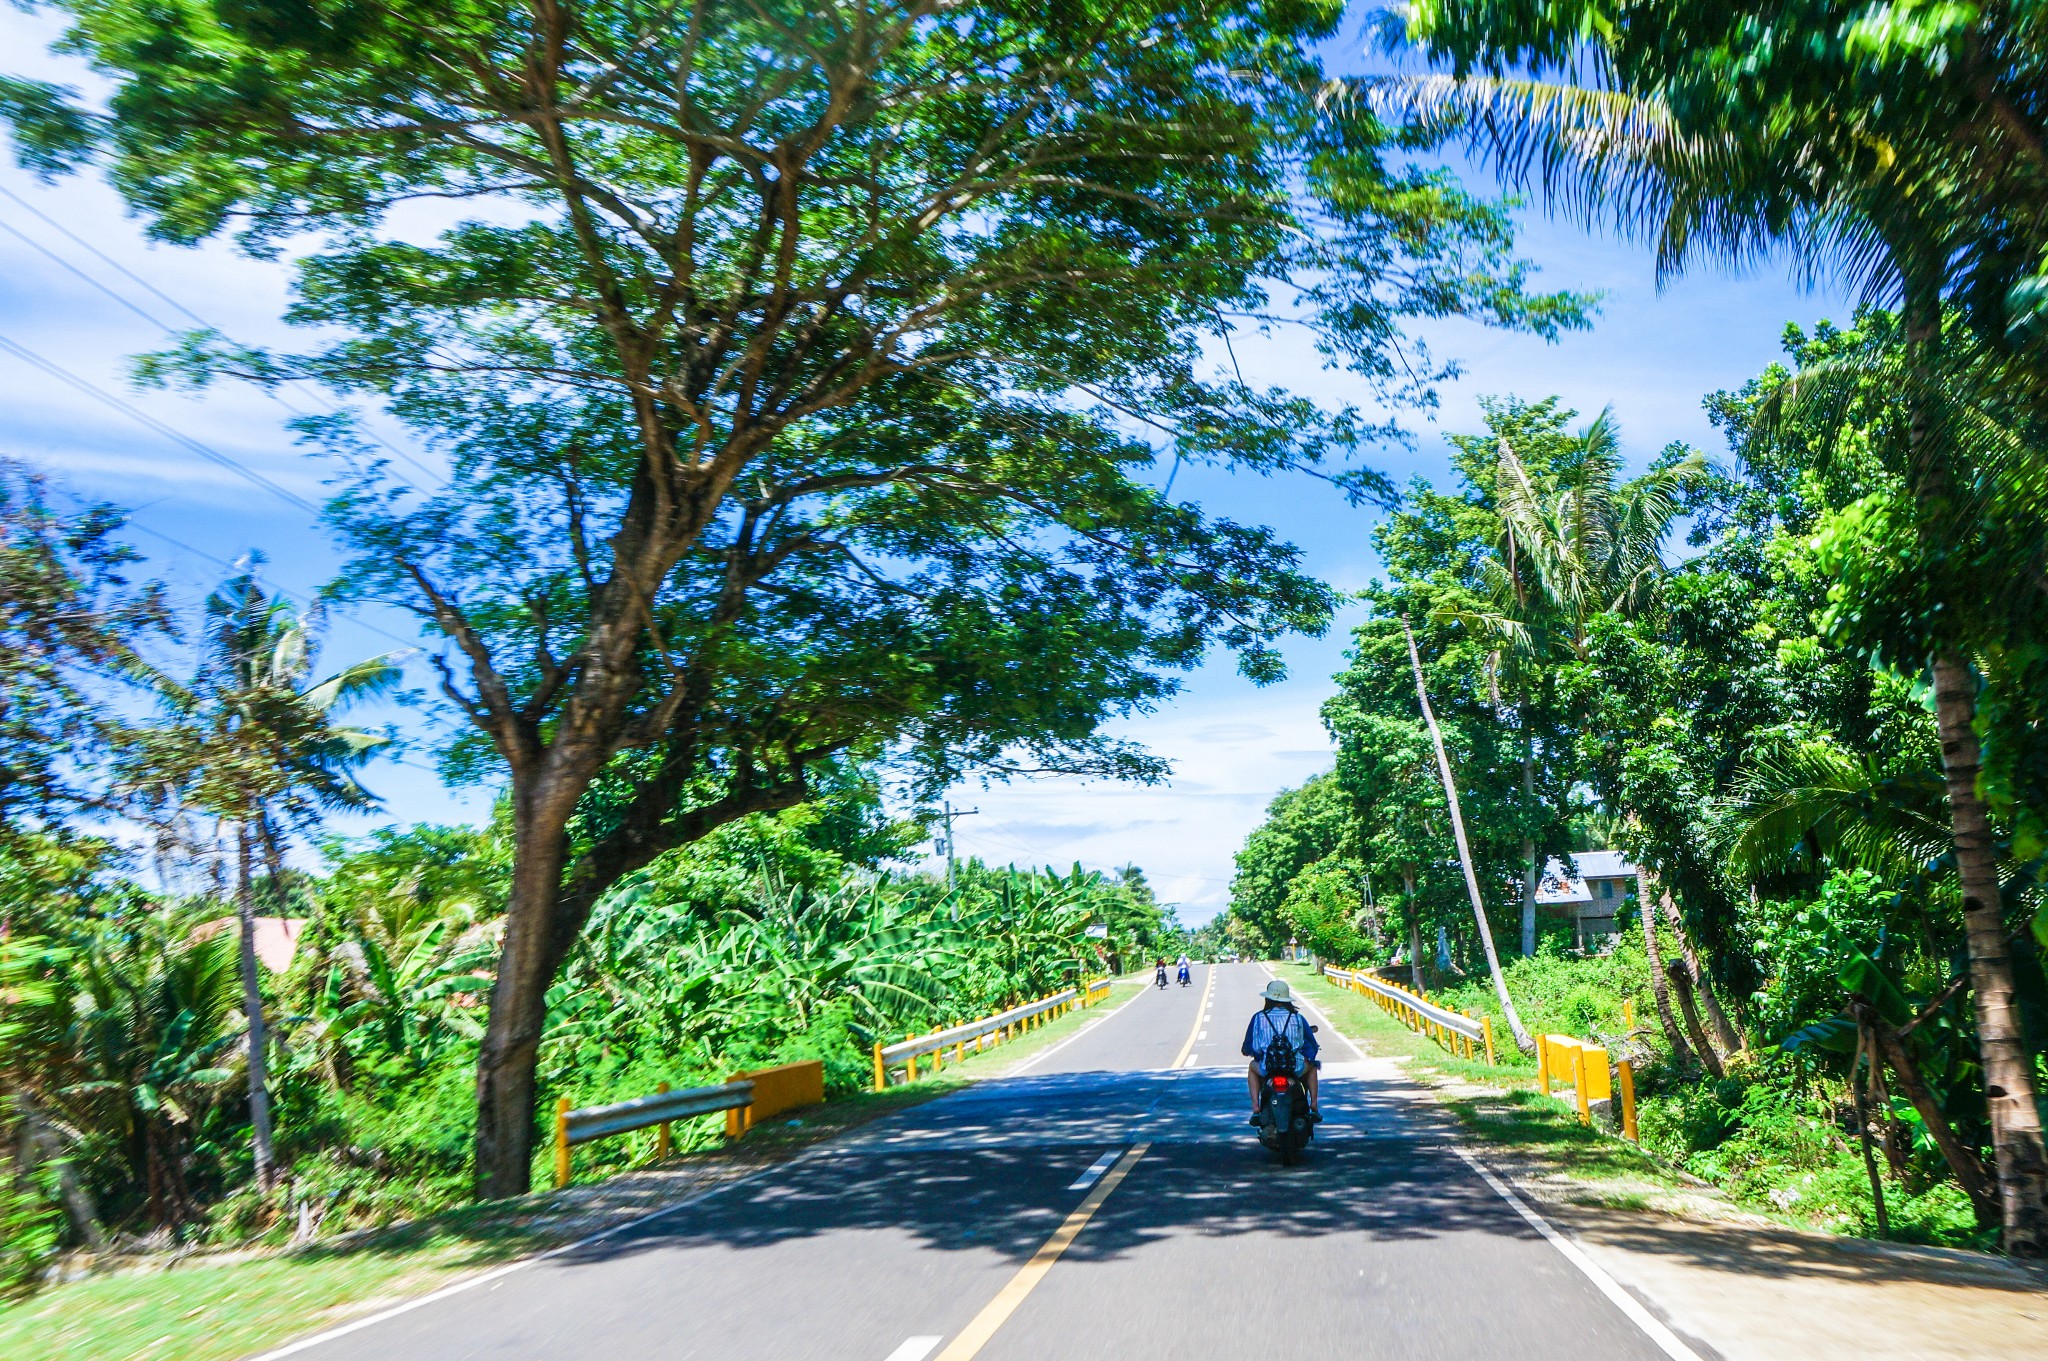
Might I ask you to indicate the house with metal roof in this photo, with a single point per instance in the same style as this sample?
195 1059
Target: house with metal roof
1591 892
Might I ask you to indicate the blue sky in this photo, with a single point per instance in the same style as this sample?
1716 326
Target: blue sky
1651 355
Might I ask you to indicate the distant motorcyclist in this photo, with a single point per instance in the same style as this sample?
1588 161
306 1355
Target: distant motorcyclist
1159 976
1278 1017
1183 967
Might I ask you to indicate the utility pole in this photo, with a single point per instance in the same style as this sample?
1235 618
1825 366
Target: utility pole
947 816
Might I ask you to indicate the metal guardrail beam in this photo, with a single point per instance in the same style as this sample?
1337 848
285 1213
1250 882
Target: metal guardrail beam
574 1127
1419 1010
622 1117
920 1045
999 1026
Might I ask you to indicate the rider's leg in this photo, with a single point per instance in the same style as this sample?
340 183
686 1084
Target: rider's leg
1313 1078
1251 1080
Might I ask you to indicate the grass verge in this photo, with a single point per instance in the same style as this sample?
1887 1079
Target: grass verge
1500 1105
219 1307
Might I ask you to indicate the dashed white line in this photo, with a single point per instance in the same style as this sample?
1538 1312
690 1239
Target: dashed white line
913 1349
1203 1036
1095 1171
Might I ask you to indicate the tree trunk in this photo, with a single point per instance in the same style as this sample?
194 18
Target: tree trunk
1443 765
1660 986
1703 1046
1702 986
510 1053
2016 1136
1865 1049
1530 869
252 1006
1414 934
1529 872
2008 1068
1963 1162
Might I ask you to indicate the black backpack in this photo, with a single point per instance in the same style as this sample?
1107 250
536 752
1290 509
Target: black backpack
1281 1056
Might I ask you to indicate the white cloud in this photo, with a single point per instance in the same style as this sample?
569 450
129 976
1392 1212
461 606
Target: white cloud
1185 832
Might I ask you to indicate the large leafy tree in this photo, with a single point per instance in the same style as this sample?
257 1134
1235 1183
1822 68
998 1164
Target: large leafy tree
1896 145
789 368
1314 825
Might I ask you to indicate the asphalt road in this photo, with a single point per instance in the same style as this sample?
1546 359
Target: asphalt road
905 1241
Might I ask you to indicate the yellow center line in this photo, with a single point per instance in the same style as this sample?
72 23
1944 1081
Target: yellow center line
1194 1031
997 1311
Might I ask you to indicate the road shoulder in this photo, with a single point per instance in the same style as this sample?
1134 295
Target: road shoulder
1748 1288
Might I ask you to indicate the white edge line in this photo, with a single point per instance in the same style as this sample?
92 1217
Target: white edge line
357 1325
914 1349
1667 1341
1045 1054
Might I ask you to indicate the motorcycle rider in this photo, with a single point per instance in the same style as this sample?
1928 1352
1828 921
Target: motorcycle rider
1277 1016
1159 977
1183 968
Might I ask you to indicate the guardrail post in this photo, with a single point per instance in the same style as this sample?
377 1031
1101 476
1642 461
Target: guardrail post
1626 1076
1579 1082
881 1073
736 1118
663 1145
561 1142
1628 1013
1542 1059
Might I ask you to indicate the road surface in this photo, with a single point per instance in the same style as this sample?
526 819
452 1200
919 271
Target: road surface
925 1235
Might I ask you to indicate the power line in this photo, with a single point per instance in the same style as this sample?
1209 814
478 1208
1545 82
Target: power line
302 597
99 254
157 322
205 451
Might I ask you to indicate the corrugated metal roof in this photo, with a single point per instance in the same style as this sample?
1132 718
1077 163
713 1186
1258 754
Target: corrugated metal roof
1603 865
1558 886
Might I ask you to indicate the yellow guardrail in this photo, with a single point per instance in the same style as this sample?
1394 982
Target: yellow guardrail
743 1097
781 1088
1460 1032
985 1033
1561 1058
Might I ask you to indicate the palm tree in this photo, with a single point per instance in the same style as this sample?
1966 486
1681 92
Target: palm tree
253 745
1892 194
1575 541
123 1041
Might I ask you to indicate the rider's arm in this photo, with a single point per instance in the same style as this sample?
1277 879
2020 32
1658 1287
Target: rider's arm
1249 1050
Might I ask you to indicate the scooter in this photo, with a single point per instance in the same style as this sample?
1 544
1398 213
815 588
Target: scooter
1159 979
1284 1121
1185 978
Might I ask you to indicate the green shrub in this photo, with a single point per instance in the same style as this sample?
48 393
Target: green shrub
29 1230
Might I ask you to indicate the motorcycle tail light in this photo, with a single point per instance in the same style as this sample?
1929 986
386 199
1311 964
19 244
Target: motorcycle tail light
1279 1082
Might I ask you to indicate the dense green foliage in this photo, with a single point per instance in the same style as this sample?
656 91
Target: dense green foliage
1783 795
776 938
